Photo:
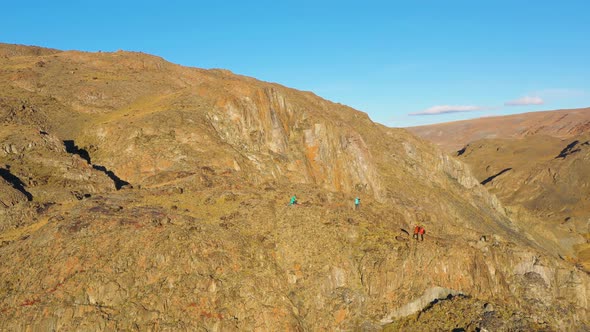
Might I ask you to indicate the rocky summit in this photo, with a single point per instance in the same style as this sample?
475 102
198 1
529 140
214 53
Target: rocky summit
137 194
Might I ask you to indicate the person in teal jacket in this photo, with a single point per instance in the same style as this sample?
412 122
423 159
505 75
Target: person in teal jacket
293 200
357 203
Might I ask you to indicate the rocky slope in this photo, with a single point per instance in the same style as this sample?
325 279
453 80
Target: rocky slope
452 136
157 201
10 195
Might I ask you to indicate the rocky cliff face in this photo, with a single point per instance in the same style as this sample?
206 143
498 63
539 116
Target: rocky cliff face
180 220
297 139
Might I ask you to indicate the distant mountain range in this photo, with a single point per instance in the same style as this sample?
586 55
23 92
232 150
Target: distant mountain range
452 136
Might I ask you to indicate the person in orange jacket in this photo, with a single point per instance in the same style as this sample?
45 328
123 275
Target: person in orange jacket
419 232
416 232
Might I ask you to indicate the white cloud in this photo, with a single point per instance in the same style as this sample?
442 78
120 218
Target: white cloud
444 109
526 100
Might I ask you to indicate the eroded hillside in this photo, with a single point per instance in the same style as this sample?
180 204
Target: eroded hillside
142 195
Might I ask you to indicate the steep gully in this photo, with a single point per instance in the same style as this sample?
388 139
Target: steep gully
72 148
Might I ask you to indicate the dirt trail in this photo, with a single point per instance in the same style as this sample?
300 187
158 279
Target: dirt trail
22 232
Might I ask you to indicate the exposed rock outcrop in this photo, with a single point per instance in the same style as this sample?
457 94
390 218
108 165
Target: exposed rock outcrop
430 296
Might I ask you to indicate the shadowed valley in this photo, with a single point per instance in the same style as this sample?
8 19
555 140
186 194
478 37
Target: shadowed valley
537 164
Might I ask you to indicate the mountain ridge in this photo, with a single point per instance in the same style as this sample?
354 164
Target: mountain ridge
202 236
558 123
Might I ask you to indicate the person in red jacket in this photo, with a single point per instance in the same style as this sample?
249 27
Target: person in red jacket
419 232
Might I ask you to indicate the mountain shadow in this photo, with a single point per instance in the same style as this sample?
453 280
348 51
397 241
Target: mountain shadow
486 181
569 149
15 181
119 183
72 148
462 151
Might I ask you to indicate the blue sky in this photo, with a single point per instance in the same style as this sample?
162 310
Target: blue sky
403 62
